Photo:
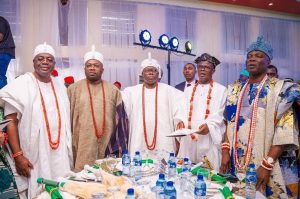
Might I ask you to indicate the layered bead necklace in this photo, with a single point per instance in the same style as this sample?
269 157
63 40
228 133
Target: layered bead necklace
153 144
53 144
97 133
252 128
207 111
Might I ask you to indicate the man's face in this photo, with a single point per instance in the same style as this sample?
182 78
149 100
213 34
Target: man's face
271 72
257 62
93 70
205 71
150 75
43 64
189 72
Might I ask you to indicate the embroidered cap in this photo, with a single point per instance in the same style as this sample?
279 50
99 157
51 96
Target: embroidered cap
118 84
54 73
93 55
261 45
69 79
207 57
245 72
43 48
150 62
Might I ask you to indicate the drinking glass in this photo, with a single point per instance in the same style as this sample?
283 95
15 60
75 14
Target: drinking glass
111 162
241 175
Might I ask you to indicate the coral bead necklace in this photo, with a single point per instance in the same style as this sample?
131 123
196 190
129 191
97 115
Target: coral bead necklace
153 144
252 128
97 133
208 99
53 144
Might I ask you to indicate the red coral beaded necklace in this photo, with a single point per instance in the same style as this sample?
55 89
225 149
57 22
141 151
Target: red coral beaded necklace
207 111
252 128
97 133
153 144
53 144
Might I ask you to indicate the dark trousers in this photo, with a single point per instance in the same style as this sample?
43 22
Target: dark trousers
4 62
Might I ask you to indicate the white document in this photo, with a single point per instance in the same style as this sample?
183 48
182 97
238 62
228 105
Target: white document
4 123
182 132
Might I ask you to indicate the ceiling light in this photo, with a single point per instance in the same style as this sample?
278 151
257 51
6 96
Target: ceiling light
270 4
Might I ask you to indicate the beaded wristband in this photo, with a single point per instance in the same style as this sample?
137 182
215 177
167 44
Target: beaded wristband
225 146
266 165
17 154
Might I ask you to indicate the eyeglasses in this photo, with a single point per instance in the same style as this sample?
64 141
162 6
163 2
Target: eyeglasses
205 67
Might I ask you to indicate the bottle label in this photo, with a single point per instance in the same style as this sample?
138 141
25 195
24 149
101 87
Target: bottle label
200 192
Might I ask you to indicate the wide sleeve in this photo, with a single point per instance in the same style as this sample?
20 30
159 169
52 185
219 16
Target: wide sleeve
179 107
72 98
286 123
119 138
215 120
126 97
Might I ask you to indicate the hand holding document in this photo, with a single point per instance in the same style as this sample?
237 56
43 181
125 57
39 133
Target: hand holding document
182 132
4 123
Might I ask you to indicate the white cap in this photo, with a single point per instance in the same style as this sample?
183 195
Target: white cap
150 62
93 55
43 48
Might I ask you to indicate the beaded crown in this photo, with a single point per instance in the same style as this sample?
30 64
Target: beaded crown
261 45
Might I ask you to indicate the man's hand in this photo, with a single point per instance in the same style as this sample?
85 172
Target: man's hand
203 129
225 162
23 166
180 125
263 176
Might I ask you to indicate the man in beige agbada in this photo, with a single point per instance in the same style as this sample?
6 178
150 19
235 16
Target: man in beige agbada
97 115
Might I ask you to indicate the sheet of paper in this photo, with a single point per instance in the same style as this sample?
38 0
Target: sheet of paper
4 123
182 132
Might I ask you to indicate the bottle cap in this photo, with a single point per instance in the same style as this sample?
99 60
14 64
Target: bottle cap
200 177
252 165
40 180
125 151
130 191
137 153
172 154
170 183
185 159
161 176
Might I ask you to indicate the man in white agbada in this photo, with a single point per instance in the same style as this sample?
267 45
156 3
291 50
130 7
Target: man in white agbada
154 110
39 133
206 104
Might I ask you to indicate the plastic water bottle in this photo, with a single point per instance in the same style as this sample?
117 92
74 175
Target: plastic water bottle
160 186
137 161
132 175
185 176
161 182
130 194
200 188
251 179
126 163
172 166
186 167
170 191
